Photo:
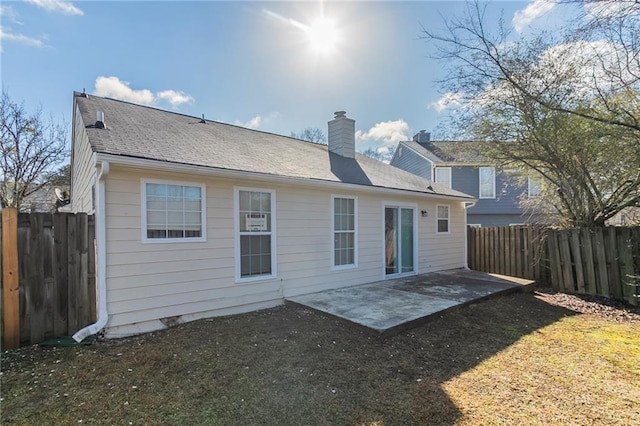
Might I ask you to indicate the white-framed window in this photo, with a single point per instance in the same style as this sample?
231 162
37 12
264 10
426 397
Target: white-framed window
443 219
534 187
255 233
173 211
344 226
443 176
487 182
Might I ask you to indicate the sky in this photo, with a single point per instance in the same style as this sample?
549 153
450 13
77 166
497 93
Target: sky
273 66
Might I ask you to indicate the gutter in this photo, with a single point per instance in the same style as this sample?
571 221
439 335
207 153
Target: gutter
467 206
101 254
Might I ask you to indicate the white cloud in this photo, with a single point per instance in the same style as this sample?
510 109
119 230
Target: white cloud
610 9
388 132
19 38
7 12
448 100
253 123
175 97
65 7
113 87
534 10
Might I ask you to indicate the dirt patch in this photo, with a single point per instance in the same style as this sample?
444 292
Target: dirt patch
602 307
515 359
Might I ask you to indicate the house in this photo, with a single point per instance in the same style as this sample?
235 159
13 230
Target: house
457 165
196 218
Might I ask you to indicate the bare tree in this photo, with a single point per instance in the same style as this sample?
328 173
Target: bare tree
380 155
31 150
566 109
311 134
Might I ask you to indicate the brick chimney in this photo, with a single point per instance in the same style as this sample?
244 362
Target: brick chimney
342 135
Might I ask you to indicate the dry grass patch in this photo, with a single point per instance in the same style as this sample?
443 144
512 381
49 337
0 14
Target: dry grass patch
513 359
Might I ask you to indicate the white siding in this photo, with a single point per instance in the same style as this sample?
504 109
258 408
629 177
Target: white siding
151 282
83 170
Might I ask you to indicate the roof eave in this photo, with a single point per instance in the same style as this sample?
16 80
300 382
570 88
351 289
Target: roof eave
149 164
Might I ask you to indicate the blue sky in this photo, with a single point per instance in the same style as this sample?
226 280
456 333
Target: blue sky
257 64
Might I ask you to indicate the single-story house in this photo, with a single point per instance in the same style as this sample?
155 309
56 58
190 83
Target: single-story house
196 218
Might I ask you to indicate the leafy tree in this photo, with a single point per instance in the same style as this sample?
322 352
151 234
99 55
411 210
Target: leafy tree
567 109
311 134
31 149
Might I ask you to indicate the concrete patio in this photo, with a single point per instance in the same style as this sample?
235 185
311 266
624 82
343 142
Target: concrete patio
394 305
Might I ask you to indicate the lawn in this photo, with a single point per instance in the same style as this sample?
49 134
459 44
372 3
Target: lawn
516 359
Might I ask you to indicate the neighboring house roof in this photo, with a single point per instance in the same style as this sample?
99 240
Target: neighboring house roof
443 153
148 133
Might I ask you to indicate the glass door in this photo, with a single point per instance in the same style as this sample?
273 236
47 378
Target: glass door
399 240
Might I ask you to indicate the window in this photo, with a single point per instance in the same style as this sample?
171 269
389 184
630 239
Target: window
344 232
173 212
443 219
487 182
443 176
255 241
534 187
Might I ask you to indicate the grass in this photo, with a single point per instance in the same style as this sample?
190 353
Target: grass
510 360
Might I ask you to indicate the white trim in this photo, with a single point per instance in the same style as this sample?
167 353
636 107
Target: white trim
143 212
474 225
448 219
435 174
144 163
480 183
354 265
529 179
236 237
416 245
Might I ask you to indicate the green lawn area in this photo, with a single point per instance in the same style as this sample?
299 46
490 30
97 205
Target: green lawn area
515 359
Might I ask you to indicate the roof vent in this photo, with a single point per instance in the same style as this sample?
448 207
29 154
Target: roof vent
100 120
340 114
202 120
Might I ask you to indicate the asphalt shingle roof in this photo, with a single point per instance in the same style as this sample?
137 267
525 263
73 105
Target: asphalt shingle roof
144 132
445 152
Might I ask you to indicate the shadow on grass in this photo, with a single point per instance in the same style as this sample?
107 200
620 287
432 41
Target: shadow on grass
286 365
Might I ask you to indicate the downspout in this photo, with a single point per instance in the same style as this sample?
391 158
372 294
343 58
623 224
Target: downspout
101 255
467 205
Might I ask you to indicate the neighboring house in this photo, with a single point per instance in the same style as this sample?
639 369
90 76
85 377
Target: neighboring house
196 218
455 165
44 199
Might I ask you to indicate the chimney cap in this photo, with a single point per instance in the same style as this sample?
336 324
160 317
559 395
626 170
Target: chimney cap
340 114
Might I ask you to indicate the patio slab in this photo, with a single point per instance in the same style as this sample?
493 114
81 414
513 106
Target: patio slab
391 306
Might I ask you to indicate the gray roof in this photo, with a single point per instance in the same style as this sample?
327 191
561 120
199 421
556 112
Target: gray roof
450 152
145 132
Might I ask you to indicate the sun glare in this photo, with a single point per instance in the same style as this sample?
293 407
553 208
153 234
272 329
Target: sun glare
322 35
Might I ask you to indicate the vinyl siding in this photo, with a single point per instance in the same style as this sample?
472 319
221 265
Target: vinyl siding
83 170
149 282
412 162
467 179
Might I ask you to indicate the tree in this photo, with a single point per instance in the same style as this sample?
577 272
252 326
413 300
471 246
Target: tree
31 149
384 155
567 109
311 134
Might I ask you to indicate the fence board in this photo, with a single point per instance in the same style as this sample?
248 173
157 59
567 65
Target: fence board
602 263
587 256
577 259
10 280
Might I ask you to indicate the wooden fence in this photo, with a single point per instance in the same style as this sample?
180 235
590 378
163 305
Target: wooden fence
599 261
56 275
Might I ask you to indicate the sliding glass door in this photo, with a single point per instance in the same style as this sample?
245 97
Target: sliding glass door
399 240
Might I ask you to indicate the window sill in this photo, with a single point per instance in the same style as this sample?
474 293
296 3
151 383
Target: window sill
343 267
256 278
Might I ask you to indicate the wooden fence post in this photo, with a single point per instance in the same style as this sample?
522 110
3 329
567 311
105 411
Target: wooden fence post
10 281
